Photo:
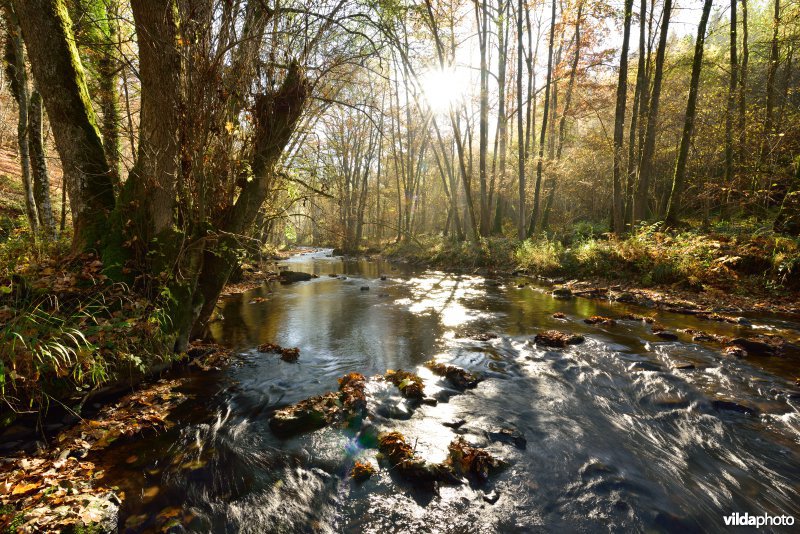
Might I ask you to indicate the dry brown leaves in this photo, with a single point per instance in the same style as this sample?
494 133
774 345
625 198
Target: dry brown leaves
409 384
362 471
54 489
287 354
458 377
471 461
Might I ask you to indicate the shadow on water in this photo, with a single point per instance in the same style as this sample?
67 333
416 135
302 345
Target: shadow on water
624 432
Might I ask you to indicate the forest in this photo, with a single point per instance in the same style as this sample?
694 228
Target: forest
175 175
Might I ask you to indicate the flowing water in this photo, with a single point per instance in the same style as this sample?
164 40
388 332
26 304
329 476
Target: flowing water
625 432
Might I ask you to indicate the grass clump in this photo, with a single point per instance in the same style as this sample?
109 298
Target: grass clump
66 329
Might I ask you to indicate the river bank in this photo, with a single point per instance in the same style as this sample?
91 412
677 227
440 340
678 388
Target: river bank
733 272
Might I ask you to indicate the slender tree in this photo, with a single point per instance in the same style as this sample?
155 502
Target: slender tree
482 16
679 177
17 75
41 177
545 114
731 109
619 121
521 220
772 70
648 150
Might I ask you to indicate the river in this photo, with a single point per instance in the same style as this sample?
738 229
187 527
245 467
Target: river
625 432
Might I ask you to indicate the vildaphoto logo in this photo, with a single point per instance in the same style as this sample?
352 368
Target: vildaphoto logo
765 520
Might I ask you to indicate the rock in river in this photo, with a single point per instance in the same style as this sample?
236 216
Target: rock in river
562 293
555 338
289 277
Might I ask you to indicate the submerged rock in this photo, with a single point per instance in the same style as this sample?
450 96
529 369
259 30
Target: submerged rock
562 293
484 336
457 423
307 415
455 375
732 405
491 497
667 335
754 347
733 351
509 436
555 338
289 277
599 319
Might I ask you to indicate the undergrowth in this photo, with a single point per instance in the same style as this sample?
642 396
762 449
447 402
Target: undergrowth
65 328
738 256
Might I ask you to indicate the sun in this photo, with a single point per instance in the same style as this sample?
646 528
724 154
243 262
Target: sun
442 88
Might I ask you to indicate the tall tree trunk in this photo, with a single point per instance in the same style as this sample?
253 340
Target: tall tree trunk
638 103
679 178
648 151
108 90
18 76
521 220
742 104
545 114
772 70
59 76
563 120
41 178
502 119
482 15
731 109
619 122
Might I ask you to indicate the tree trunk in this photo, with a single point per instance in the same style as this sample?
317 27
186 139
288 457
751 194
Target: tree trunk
502 119
108 91
648 151
41 178
562 121
545 114
619 122
679 178
17 73
638 103
59 76
772 70
731 108
742 123
521 220
482 15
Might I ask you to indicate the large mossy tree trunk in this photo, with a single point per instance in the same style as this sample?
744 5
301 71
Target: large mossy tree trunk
59 76
170 232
